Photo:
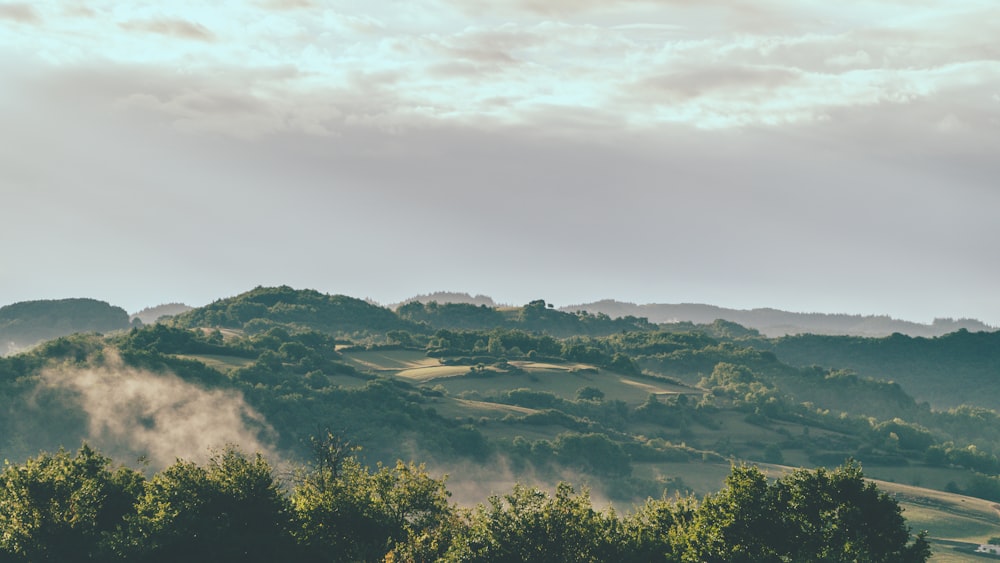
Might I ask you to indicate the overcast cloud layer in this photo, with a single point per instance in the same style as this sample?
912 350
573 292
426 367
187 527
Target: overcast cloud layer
803 155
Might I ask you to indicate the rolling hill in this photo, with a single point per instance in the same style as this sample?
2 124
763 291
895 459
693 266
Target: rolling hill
497 395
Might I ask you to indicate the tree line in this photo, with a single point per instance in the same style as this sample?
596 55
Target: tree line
81 507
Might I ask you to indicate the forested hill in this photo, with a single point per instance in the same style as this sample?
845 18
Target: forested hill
262 308
773 322
958 368
27 323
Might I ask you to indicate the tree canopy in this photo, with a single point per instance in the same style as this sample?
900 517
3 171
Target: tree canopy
64 507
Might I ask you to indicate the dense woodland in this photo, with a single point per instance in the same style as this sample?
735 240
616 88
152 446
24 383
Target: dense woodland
64 507
546 395
966 357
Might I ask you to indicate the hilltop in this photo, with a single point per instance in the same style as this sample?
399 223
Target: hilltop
261 308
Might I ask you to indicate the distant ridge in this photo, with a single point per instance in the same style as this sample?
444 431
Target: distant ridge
768 321
774 322
152 314
27 323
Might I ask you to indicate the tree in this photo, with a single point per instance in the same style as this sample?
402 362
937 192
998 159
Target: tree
773 454
495 346
737 524
344 512
651 533
593 452
806 516
589 394
58 507
232 510
530 525
839 516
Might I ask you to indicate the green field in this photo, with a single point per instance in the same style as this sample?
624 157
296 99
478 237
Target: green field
464 408
431 372
955 524
946 515
562 380
389 360
221 363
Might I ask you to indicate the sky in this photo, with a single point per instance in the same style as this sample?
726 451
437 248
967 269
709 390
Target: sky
803 155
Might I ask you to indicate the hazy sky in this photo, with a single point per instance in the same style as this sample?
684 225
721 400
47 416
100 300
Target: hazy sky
803 155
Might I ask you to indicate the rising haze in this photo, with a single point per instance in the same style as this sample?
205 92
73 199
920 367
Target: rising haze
799 155
159 416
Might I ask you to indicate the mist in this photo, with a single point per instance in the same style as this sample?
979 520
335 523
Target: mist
471 483
158 417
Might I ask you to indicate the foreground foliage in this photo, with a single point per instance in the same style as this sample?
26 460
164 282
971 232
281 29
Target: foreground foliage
64 507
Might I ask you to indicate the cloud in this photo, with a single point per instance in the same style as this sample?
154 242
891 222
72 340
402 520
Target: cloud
236 101
287 4
471 61
179 28
80 11
558 8
20 13
564 7
669 67
856 59
730 80
135 412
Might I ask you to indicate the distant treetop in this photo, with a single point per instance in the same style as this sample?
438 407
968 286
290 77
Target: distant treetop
448 297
